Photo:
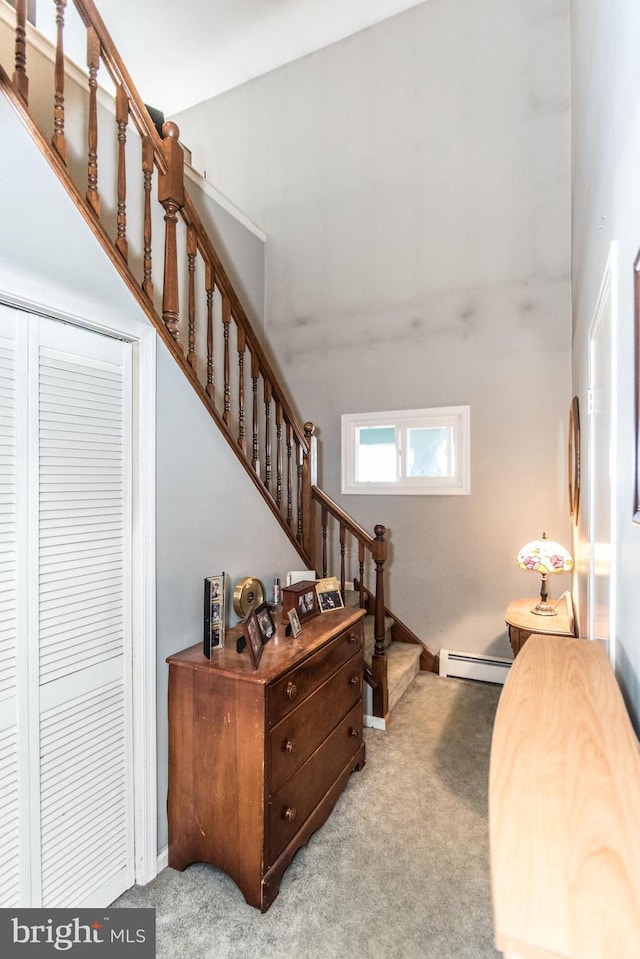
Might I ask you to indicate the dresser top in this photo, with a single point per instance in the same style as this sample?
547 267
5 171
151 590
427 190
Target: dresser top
280 653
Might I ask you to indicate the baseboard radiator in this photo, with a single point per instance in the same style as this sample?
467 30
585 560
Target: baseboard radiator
486 669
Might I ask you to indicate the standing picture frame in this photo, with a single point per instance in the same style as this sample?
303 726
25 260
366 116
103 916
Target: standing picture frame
294 622
253 636
215 613
266 626
329 595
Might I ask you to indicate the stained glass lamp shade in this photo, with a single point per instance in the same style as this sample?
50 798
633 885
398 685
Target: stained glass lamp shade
544 556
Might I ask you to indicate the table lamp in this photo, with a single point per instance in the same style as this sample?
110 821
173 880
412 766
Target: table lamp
544 556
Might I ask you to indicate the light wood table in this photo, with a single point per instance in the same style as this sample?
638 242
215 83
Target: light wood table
564 808
522 622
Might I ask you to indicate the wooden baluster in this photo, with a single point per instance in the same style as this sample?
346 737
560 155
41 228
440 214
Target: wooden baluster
325 524
242 345
278 453
20 77
308 481
342 552
93 62
300 476
58 140
171 196
361 572
379 662
147 173
255 372
267 434
226 320
122 119
192 249
209 282
289 477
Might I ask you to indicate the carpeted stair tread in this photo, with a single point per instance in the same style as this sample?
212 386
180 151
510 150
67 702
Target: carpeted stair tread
403 665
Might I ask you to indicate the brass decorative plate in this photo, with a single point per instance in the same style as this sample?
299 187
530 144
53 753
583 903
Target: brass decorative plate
248 593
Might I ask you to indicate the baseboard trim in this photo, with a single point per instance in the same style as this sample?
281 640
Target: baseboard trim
163 858
462 665
375 722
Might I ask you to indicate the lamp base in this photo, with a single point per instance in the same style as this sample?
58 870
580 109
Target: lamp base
544 609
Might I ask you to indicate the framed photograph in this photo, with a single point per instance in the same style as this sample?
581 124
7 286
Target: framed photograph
265 622
253 636
329 595
294 622
303 598
215 605
574 459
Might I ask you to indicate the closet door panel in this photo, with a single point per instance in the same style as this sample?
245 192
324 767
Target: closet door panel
66 805
83 453
14 871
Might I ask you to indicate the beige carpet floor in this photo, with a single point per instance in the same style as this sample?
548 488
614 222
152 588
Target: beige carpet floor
399 871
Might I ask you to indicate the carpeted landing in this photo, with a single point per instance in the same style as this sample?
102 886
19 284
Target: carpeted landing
399 871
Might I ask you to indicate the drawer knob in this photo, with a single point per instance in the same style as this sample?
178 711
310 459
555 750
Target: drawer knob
353 638
290 813
291 691
354 680
353 731
291 746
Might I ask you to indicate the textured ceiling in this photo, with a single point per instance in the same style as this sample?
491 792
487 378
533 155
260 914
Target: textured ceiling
180 53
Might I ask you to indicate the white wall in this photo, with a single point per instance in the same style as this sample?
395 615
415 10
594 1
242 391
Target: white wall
606 208
210 517
413 181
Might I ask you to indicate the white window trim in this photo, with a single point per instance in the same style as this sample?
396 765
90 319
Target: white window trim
457 417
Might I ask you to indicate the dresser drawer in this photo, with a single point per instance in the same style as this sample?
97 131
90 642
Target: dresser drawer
289 808
296 685
296 736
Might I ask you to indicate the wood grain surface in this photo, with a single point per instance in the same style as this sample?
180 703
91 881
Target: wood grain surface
564 807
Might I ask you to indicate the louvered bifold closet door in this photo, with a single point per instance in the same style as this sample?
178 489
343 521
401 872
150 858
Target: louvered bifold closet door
14 791
83 519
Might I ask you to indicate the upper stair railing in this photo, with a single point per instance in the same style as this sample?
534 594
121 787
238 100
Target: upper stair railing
167 259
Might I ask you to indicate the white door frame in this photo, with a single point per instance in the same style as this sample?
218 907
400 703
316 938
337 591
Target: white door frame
17 291
605 320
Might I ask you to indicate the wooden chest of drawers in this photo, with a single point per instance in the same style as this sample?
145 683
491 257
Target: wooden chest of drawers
258 758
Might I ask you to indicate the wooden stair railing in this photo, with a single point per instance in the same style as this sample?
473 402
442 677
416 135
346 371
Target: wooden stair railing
342 536
186 292
244 398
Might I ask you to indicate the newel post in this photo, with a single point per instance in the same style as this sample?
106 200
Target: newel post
379 661
171 196
309 479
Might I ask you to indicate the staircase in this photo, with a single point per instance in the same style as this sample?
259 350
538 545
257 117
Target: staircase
171 267
402 660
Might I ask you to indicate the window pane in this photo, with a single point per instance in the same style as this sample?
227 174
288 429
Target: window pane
430 451
376 454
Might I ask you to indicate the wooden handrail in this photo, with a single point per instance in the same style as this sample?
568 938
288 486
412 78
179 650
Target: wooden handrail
564 807
339 514
211 326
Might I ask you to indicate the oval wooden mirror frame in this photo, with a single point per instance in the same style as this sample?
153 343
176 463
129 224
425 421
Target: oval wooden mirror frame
574 459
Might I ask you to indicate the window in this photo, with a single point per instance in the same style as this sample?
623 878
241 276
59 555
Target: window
413 452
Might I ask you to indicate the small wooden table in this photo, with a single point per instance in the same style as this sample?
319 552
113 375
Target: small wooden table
521 622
